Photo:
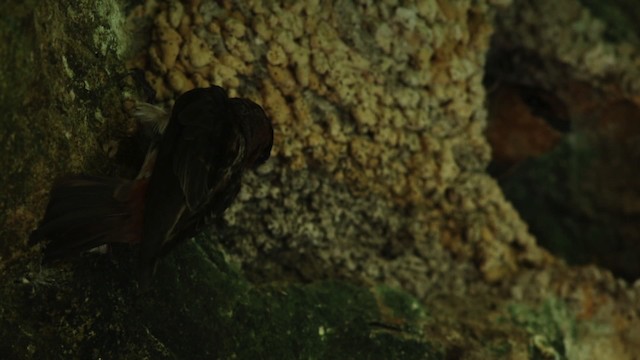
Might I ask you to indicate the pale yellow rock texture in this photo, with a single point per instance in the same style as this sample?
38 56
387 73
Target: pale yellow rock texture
385 102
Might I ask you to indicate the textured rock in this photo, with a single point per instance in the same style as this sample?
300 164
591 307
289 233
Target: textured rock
377 179
366 115
379 141
579 199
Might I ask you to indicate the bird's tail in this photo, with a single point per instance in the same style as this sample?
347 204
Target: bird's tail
85 212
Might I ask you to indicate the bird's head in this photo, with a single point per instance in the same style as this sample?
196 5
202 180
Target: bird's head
257 130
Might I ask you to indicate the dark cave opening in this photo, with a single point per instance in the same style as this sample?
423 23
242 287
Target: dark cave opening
565 152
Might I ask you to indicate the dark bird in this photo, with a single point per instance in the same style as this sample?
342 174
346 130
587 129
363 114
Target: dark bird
191 174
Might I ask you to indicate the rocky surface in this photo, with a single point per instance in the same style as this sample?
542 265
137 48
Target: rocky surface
581 198
373 231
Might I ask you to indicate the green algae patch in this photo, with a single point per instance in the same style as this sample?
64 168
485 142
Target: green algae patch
399 304
551 328
215 313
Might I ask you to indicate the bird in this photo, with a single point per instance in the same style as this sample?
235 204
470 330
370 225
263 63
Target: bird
192 172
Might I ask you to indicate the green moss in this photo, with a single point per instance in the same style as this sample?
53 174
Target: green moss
550 326
199 307
398 304
227 317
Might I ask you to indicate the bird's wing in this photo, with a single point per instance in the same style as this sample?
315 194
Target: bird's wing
208 143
